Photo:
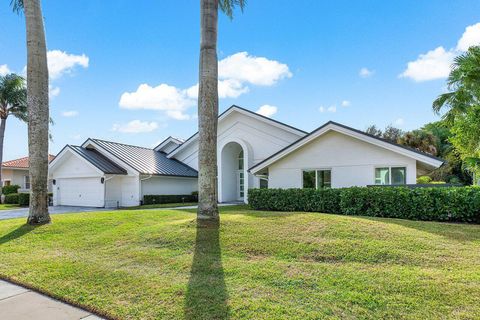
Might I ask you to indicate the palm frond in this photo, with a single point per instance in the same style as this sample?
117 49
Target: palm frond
227 6
17 6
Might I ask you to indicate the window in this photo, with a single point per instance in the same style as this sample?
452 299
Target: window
240 160
263 183
26 181
391 175
6 183
317 179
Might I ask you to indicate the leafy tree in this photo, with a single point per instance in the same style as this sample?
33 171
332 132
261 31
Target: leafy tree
13 102
463 84
421 140
208 105
38 108
374 131
392 134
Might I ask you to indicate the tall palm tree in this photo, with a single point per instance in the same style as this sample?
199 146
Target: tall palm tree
464 85
208 105
37 102
13 101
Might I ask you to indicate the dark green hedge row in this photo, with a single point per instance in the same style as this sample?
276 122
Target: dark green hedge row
11 198
10 189
24 199
158 199
459 204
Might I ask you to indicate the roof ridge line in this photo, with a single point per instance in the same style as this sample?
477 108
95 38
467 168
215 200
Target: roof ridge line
125 144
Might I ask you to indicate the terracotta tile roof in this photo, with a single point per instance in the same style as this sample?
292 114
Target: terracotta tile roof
22 162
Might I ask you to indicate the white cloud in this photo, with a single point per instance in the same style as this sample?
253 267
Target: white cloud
163 97
471 37
61 62
436 63
267 110
399 122
70 114
258 71
236 72
135 126
346 103
53 91
331 109
432 65
4 70
365 73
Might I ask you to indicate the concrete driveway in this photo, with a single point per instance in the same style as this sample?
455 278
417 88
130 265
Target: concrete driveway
23 212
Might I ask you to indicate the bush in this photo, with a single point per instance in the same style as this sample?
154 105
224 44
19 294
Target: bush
424 180
160 199
10 189
24 199
11 198
458 204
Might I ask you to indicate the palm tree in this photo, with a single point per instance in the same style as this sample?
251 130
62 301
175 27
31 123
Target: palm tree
208 105
13 101
37 102
464 85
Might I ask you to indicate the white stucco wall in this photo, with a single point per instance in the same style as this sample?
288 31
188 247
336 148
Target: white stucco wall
168 185
15 176
352 162
72 166
260 138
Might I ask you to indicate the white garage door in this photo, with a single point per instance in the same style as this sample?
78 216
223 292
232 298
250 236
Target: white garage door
83 192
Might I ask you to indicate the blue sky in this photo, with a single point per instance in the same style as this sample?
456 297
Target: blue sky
310 61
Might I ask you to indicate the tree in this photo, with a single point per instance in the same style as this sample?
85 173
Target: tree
13 102
208 105
420 140
38 109
374 131
392 134
464 85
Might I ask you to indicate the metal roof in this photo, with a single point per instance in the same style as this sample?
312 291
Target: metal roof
147 161
98 160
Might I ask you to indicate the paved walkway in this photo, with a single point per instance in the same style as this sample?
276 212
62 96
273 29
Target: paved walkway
23 212
19 303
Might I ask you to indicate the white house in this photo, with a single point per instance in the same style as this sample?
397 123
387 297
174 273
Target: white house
15 172
253 151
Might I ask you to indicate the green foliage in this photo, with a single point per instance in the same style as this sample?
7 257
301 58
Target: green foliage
424 180
11 198
435 204
13 97
227 6
10 189
24 199
159 199
421 140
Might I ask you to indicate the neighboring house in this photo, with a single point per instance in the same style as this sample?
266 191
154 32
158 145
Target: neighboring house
15 172
253 152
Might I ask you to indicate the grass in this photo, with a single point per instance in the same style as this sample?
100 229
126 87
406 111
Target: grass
162 205
5 206
258 265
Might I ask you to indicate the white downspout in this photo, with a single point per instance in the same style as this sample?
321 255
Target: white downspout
148 177
105 179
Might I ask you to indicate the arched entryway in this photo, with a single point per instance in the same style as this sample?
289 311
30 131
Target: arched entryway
233 173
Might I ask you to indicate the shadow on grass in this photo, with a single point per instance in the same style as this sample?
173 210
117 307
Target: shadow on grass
207 296
17 233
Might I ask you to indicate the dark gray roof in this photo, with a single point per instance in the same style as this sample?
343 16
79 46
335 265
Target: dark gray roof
147 161
98 160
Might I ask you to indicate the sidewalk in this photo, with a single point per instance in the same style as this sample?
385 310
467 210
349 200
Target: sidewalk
19 303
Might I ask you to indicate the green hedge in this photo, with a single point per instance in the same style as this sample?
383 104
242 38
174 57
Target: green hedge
10 189
159 199
11 198
459 204
24 199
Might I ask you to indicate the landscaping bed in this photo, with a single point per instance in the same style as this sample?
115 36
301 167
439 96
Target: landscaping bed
156 264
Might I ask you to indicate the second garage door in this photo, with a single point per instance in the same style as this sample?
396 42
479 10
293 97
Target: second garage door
83 192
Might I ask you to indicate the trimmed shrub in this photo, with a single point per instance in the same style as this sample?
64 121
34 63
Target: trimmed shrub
10 189
424 180
457 204
160 199
24 199
11 198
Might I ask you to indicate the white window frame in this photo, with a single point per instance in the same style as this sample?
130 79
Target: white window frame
25 182
316 175
390 167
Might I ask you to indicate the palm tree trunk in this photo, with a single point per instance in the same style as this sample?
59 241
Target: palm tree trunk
37 102
208 112
3 123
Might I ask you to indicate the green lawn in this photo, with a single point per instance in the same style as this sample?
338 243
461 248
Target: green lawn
162 205
9 206
260 265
